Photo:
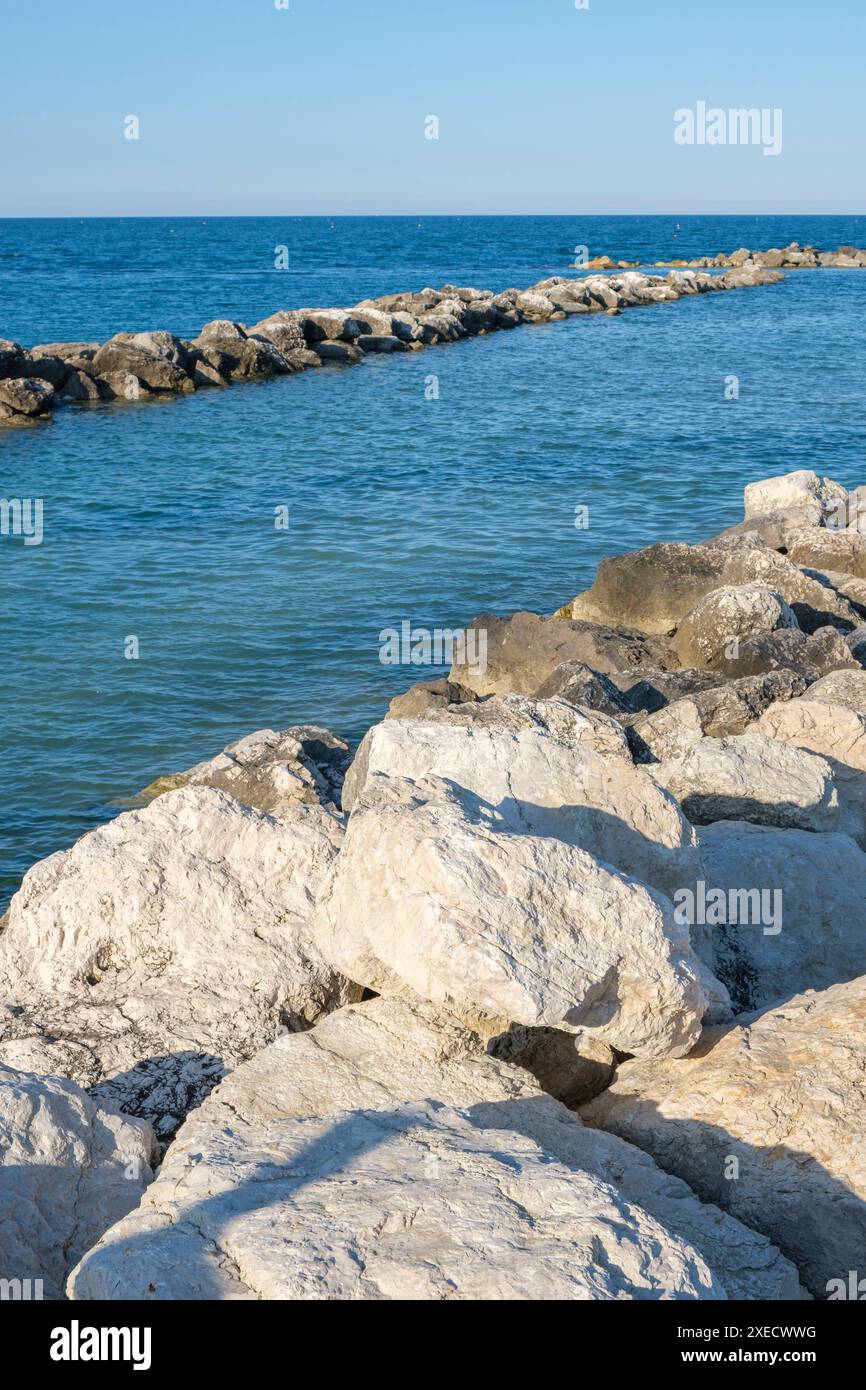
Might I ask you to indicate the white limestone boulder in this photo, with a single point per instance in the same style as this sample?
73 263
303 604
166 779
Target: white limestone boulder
847 688
710 632
752 777
435 890
303 765
229 1215
801 488
838 734
69 1169
168 944
541 768
768 1120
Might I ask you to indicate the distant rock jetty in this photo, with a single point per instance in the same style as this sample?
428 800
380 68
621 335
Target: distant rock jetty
147 366
791 257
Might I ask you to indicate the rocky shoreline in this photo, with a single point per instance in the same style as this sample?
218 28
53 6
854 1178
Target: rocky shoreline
555 989
158 365
791 257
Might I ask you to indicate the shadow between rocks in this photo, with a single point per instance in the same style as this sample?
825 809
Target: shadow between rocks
814 1218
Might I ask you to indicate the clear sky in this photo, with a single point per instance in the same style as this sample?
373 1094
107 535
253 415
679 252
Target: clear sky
244 108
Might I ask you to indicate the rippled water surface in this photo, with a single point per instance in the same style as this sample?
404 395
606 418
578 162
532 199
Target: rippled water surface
159 519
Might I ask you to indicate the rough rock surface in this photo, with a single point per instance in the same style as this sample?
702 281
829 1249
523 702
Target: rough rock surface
224 1218
283 329
652 590
838 734
752 777
69 1169
827 549
508 924
806 930
792 490
157 365
715 713
524 650
426 697
542 768
846 688
806 654
304 765
166 945
412 1203
649 688
783 1093
710 633
577 683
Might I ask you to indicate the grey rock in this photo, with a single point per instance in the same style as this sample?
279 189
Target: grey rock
523 651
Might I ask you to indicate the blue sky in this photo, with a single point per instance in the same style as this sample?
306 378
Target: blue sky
247 109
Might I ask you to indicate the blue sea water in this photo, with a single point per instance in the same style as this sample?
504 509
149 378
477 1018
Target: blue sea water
159 518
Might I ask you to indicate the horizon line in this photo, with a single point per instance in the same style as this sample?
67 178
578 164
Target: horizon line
347 216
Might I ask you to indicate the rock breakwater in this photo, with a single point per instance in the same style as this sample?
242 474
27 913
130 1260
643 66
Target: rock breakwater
624 868
790 257
154 365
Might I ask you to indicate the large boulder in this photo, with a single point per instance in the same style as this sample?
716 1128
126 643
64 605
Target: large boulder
167 945
69 1168
408 1204
809 655
77 355
653 589
518 654
542 768
225 351
283 329
304 765
710 633
505 923
847 688
838 734
802 488
650 589
338 351
766 1119
226 1219
24 398
791 915
717 712
157 360
827 549
13 359
752 777
317 325
577 683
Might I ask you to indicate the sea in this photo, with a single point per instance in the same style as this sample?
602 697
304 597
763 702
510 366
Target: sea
229 561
